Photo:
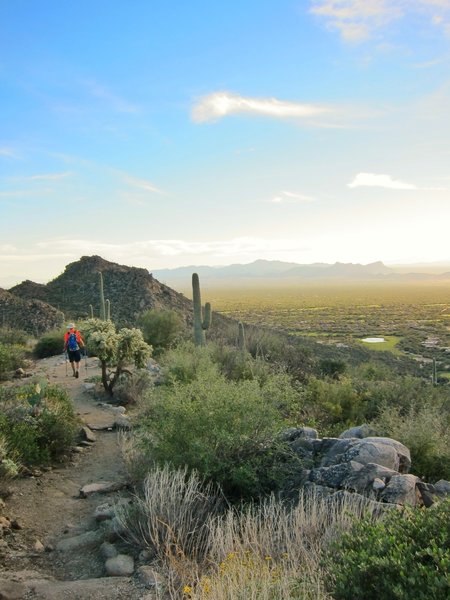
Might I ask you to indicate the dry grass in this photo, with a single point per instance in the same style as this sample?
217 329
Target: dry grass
266 551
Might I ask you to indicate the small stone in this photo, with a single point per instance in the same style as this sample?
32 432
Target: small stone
101 488
88 434
104 512
120 565
378 484
15 524
38 546
149 577
78 449
108 550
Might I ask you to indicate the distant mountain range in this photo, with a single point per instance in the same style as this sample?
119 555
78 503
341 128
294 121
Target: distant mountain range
278 270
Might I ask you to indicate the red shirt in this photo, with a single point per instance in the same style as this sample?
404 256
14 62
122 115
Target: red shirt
77 334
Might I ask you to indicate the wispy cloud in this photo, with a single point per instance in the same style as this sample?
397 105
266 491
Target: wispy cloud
387 182
142 184
358 20
8 152
114 101
221 104
50 176
286 197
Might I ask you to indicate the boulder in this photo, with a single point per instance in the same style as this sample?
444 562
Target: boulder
334 476
362 481
404 455
442 487
370 450
401 489
360 431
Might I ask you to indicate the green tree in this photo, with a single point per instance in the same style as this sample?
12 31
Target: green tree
116 350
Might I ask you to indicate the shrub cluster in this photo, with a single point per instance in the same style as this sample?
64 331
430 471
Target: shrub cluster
12 350
404 555
37 424
50 344
227 431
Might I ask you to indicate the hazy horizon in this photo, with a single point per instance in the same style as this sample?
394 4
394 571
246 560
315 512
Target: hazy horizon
179 134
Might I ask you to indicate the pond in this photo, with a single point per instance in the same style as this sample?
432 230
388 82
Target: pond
373 340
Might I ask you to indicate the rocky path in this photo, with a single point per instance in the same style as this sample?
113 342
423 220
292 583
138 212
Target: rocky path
57 544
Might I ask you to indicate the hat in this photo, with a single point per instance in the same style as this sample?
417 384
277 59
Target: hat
70 325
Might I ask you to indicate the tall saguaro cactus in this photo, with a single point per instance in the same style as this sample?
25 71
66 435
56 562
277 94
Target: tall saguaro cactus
241 337
201 322
102 299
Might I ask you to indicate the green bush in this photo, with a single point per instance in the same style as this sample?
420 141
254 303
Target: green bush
13 337
426 432
11 358
161 328
238 365
187 363
404 555
50 344
226 431
37 424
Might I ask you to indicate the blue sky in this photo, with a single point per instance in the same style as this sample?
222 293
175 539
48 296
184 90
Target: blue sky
167 134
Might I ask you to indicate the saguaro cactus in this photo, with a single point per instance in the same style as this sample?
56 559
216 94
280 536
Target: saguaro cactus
201 322
102 299
91 311
241 337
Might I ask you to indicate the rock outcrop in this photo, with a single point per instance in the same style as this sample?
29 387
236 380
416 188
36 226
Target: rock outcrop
374 467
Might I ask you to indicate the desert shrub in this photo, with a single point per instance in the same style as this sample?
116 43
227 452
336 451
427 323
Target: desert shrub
11 358
238 365
50 344
187 363
332 368
161 328
131 389
333 403
226 431
13 337
426 432
37 423
405 555
170 515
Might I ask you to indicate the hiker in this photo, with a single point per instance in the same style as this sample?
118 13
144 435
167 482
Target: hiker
73 342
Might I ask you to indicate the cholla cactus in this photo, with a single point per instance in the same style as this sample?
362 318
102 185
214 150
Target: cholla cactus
200 324
241 337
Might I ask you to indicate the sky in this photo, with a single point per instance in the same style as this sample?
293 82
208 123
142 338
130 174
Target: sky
162 134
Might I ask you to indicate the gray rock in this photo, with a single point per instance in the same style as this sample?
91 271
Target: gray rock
404 455
88 539
11 590
361 431
121 422
378 485
427 493
442 487
104 487
104 512
369 450
401 489
362 480
108 550
120 565
149 577
333 450
87 434
334 476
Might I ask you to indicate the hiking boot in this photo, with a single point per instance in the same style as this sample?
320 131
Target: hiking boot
76 374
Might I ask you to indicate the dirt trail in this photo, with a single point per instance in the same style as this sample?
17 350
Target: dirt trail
48 508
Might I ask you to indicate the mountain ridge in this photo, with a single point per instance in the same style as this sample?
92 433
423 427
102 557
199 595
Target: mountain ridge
267 269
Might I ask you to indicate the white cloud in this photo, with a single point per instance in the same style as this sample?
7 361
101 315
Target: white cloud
7 152
142 184
286 197
220 104
50 176
357 20
384 181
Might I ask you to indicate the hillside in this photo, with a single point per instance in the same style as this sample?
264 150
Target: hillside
28 314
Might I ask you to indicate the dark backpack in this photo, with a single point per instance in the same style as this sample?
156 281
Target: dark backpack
72 343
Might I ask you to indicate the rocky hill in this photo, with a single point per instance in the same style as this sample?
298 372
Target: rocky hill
130 290
28 314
